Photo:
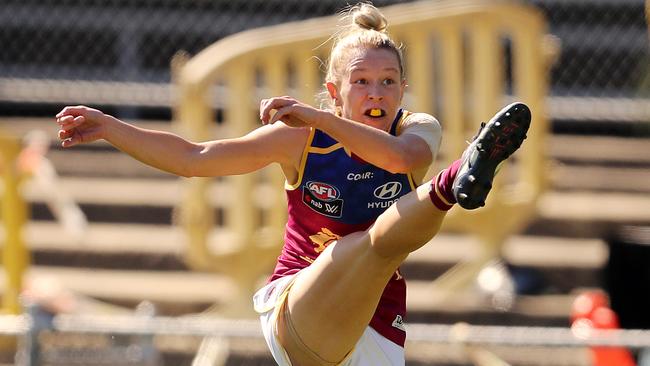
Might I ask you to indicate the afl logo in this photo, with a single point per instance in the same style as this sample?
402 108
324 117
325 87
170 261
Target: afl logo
388 190
322 191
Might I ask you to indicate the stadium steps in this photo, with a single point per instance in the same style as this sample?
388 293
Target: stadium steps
131 252
127 263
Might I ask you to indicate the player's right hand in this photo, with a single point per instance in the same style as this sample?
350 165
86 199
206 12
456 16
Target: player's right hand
80 124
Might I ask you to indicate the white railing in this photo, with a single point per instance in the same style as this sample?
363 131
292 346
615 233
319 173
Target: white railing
217 332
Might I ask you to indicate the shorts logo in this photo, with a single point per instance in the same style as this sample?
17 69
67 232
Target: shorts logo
323 198
388 190
399 323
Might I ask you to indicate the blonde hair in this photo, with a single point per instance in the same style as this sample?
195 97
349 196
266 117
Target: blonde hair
366 29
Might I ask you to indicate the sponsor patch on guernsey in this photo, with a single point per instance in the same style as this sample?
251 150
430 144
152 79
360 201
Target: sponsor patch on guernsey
323 198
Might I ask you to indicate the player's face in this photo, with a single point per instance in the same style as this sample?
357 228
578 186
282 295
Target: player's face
371 91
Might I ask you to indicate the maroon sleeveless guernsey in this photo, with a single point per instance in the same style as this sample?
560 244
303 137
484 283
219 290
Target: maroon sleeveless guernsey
337 194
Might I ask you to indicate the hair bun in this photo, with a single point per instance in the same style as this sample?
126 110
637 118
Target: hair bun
368 17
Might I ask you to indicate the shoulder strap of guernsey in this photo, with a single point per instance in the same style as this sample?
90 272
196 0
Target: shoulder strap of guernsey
402 114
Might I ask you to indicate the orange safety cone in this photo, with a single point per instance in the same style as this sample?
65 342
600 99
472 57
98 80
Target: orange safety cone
606 318
585 304
591 310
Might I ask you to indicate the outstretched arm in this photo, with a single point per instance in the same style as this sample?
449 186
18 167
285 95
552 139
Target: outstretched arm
398 154
176 155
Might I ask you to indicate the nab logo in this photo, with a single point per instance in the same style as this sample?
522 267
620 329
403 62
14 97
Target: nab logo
323 198
322 191
388 190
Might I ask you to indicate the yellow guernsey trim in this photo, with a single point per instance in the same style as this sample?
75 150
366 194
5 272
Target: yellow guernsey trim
303 162
398 131
400 123
411 181
325 150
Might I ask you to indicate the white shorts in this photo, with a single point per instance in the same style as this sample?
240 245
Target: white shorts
372 349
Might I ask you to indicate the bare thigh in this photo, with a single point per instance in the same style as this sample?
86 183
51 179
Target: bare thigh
333 300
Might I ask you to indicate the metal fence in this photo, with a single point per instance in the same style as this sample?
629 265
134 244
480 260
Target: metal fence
147 340
117 52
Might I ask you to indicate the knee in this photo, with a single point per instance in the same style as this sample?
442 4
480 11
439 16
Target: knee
390 253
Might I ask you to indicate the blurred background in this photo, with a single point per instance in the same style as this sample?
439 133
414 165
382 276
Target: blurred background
101 229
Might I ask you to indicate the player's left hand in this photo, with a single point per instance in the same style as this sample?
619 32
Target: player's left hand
290 111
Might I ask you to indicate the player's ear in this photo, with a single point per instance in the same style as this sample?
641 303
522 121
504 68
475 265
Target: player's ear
404 85
333 92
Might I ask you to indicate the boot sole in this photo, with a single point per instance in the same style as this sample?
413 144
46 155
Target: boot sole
499 139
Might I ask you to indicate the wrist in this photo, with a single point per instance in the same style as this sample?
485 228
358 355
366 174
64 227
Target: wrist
321 120
107 125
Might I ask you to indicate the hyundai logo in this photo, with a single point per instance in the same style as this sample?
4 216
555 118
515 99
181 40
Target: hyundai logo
388 190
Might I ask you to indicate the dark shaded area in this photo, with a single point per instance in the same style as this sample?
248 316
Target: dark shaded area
627 277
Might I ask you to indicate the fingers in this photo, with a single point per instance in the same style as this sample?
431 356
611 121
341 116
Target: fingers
73 111
71 121
68 122
269 106
69 138
280 114
264 110
288 110
73 116
65 134
289 116
269 118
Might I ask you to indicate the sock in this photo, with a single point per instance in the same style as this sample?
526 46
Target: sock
441 193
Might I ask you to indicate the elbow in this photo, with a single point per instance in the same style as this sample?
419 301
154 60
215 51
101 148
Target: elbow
190 164
400 163
405 162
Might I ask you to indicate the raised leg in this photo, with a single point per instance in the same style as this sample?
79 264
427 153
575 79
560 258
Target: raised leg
332 301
